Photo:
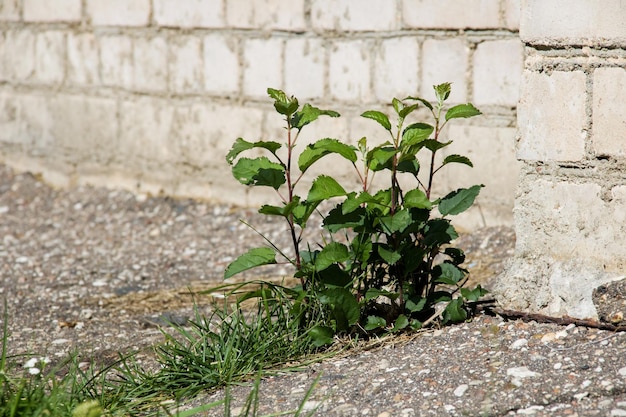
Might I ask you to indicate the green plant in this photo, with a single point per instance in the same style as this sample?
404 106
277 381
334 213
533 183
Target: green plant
386 262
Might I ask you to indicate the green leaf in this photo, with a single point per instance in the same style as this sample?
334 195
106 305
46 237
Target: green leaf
415 304
332 253
408 110
380 117
458 201
434 145
454 312
474 294
323 147
447 273
337 220
251 259
380 157
309 114
396 223
302 211
259 171
438 232
334 276
442 91
411 166
282 103
374 293
415 133
456 254
421 100
462 110
416 198
401 322
390 256
242 145
325 187
459 159
345 307
321 335
374 322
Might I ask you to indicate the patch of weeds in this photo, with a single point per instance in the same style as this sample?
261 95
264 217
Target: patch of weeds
386 262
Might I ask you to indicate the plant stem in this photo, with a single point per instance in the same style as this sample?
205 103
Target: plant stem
290 220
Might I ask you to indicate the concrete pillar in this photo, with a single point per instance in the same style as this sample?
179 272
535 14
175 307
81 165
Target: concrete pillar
570 209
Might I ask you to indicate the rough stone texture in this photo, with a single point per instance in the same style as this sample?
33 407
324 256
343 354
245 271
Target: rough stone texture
609 119
10 10
349 15
49 58
305 59
445 61
221 65
266 14
189 13
396 68
48 11
552 116
116 61
584 22
82 54
449 14
118 12
150 61
262 66
186 67
349 64
494 83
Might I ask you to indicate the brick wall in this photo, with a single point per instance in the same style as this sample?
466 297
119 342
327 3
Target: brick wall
150 94
570 213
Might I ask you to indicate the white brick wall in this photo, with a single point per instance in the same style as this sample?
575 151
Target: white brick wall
10 10
305 60
349 15
262 66
551 116
189 13
52 11
50 57
119 12
186 60
186 68
349 69
494 83
580 22
609 117
445 61
221 65
82 58
450 14
396 68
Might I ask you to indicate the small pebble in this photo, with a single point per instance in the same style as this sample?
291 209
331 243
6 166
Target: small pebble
460 390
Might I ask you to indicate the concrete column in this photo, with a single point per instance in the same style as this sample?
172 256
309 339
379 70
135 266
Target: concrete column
570 208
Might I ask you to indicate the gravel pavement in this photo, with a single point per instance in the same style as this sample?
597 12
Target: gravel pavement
95 271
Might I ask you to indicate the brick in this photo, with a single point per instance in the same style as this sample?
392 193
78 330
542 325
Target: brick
450 14
9 119
262 66
52 11
189 13
551 116
445 61
512 11
396 65
82 58
347 15
50 57
266 14
9 10
116 61
145 128
17 55
119 12
349 71
583 22
221 64
150 64
497 72
186 68
492 151
304 68
609 119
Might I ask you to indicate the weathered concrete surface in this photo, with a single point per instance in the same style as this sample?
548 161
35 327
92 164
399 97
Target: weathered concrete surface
570 209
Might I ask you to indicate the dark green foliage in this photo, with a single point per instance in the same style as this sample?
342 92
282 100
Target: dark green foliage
396 263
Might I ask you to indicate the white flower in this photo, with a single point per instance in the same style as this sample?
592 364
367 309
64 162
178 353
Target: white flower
34 371
31 363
